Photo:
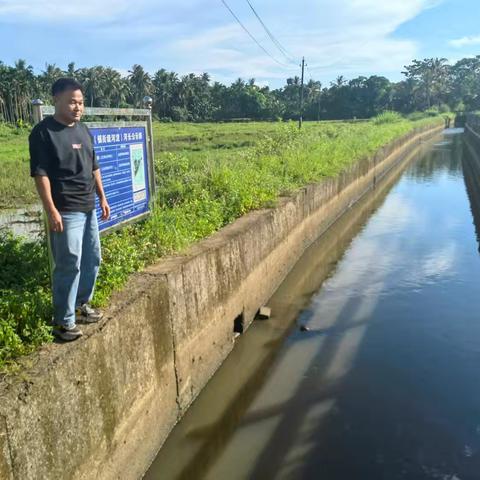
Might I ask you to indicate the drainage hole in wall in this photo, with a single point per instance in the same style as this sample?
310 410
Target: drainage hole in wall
238 324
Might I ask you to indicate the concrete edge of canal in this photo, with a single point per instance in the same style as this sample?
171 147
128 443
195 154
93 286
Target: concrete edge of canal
101 407
472 166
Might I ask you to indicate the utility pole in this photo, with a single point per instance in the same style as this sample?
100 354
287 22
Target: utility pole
300 118
318 93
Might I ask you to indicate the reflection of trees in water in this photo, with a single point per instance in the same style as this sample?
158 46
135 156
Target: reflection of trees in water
438 161
460 156
471 176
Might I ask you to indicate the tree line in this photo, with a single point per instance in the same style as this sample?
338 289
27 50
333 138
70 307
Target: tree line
431 85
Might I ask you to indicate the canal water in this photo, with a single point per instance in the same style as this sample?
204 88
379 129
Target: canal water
369 366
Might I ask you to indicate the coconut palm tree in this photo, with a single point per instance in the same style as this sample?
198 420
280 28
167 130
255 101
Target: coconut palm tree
114 88
165 86
140 84
92 81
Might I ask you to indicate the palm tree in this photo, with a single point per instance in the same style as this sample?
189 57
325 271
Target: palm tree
140 84
165 86
92 80
49 75
114 87
71 72
22 89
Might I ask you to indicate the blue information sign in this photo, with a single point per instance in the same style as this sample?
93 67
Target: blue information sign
122 155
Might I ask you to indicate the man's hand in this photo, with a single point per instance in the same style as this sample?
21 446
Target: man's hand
105 209
101 195
55 221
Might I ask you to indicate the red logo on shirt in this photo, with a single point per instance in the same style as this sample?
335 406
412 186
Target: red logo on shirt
76 146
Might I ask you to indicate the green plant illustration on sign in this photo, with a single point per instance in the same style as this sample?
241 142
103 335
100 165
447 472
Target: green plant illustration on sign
138 171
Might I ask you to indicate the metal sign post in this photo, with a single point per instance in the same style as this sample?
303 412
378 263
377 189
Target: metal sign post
148 102
37 111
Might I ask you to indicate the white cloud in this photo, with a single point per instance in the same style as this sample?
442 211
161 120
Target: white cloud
441 262
70 12
346 37
464 41
337 37
61 11
212 38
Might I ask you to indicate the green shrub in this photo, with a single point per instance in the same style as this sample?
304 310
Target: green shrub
444 108
387 117
432 111
414 116
25 305
459 107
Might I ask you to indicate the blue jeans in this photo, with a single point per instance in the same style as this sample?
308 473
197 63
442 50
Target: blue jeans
76 258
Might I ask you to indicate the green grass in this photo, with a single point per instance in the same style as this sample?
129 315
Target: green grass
203 141
174 137
199 140
207 176
16 186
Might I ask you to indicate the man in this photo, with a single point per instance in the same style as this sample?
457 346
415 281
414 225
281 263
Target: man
67 175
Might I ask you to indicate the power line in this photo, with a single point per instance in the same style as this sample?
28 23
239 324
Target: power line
251 36
270 34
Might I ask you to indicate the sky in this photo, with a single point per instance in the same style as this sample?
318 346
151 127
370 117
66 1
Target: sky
336 37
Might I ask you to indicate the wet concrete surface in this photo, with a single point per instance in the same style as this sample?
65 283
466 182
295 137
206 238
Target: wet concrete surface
368 367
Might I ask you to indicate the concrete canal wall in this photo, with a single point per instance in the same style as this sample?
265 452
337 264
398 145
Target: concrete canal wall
471 166
472 126
100 408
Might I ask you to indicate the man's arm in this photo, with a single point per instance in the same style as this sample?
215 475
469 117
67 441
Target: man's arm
44 191
101 194
39 167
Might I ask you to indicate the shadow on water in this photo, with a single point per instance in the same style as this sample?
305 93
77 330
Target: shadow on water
383 383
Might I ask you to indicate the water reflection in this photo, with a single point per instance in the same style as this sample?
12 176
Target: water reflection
196 442
384 383
444 157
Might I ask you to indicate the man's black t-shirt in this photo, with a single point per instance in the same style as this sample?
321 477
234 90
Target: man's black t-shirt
65 155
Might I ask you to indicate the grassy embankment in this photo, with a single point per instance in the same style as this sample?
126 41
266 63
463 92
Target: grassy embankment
207 175
198 140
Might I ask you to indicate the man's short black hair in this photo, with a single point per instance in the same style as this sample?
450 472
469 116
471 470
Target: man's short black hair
65 83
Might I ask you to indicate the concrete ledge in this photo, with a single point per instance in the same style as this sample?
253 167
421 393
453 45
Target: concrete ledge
471 166
100 408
